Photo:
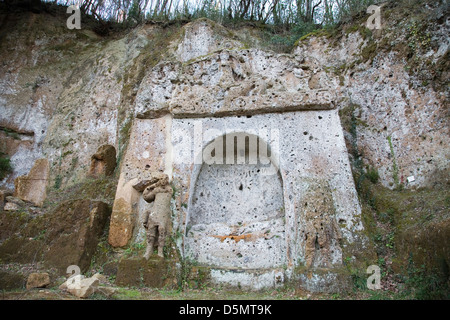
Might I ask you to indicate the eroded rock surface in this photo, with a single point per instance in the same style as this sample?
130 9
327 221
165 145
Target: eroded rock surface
33 186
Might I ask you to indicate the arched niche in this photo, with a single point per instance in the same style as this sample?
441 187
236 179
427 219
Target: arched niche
236 216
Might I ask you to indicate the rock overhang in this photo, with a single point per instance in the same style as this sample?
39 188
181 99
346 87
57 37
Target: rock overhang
212 79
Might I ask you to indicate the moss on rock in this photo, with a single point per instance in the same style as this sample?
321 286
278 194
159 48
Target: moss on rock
67 236
155 273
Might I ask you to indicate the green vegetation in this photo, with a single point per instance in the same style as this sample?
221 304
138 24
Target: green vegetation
135 249
281 24
369 52
102 189
425 285
58 181
128 294
5 166
418 38
316 33
372 174
399 223
410 263
10 133
394 163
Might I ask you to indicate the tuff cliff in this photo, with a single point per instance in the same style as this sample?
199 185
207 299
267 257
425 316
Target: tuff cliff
66 93
65 90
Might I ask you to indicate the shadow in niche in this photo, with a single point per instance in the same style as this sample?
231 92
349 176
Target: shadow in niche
236 210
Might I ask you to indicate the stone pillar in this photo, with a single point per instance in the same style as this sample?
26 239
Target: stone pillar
33 187
122 217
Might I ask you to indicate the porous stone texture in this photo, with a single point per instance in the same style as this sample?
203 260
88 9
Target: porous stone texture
307 161
33 186
61 92
38 280
203 37
248 279
237 212
161 113
157 220
388 101
226 81
237 216
319 227
65 109
143 156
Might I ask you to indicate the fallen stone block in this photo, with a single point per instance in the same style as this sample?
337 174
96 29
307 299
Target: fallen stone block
72 281
38 280
83 287
15 200
107 291
101 278
33 186
10 206
79 286
75 232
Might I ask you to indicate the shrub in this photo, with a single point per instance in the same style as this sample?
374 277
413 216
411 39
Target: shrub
5 166
372 174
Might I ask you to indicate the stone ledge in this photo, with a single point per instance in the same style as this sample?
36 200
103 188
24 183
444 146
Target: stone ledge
181 113
248 279
138 272
323 280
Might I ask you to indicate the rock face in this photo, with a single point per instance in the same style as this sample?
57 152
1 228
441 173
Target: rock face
155 272
398 119
179 112
38 280
229 82
67 236
185 103
33 187
122 217
262 209
237 213
86 219
319 227
207 70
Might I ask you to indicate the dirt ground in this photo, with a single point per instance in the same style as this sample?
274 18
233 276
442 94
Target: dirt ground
197 294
